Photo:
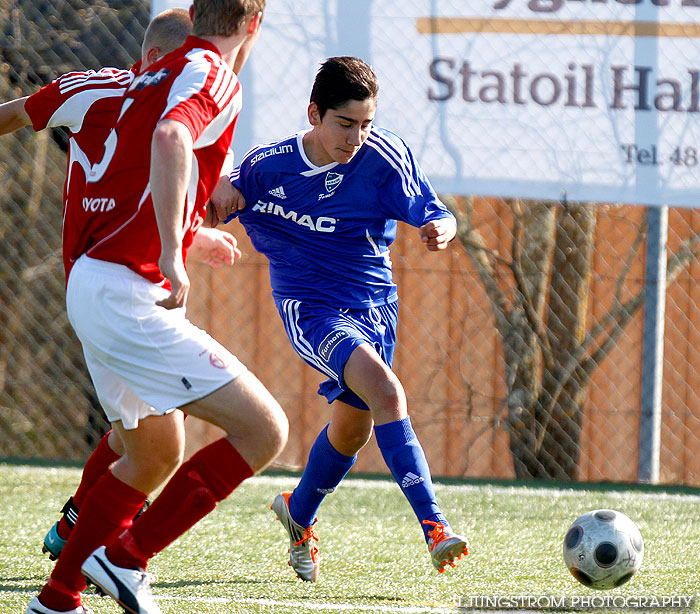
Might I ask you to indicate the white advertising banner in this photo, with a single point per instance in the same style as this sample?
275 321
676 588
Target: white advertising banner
552 99
158 6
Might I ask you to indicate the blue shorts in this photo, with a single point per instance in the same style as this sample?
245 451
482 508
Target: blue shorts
326 336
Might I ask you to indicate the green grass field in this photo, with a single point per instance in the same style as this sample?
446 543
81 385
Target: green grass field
373 555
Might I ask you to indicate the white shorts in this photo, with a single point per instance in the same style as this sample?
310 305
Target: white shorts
143 359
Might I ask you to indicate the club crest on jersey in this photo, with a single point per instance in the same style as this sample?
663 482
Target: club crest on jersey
333 181
149 78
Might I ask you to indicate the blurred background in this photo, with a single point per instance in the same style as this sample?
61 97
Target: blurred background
525 349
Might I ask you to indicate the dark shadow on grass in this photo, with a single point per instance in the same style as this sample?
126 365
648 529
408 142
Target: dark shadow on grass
386 599
11 585
403 601
185 583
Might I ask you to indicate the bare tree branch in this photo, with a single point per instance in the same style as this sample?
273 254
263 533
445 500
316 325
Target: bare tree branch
682 257
630 308
633 251
534 318
546 382
676 264
618 317
475 246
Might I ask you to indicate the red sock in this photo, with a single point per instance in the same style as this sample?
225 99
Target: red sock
107 510
209 476
59 597
96 466
63 529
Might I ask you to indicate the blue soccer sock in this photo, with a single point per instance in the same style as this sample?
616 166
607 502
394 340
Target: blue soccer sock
324 470
405 458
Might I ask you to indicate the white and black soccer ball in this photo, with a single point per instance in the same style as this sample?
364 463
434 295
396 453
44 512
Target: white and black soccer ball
603 549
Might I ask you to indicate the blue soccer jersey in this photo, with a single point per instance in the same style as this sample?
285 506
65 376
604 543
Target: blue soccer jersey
326 230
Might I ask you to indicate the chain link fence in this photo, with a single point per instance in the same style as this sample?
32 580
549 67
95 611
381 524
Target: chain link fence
520 348
47 404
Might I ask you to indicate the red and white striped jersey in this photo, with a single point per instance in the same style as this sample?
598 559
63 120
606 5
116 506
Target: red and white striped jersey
194 86
88 104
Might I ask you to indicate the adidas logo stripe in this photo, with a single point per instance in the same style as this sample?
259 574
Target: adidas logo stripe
410 479
278 192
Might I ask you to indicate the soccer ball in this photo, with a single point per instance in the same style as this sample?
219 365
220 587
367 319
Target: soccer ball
603 549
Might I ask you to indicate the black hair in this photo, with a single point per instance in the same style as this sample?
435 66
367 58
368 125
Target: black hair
341 79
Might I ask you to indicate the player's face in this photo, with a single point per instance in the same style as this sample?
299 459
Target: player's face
342 131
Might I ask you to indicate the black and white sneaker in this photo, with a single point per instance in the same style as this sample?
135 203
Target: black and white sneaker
36 607
130 588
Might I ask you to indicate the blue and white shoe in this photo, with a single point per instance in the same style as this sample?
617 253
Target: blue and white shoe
53 543
130 588
36 607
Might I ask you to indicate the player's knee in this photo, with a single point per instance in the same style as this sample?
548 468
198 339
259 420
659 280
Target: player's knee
356 441
268 430
166 459
388 398
352 437
147 470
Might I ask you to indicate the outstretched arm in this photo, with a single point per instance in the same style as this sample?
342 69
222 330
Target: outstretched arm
436 234
214 247
13 116
171 166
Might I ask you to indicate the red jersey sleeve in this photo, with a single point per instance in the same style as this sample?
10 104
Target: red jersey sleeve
66 100
198 96
43 104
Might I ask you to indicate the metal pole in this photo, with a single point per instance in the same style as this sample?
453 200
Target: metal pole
353 29
653 345
647 131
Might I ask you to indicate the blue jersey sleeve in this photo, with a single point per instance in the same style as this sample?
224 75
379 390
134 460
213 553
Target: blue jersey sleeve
406 193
